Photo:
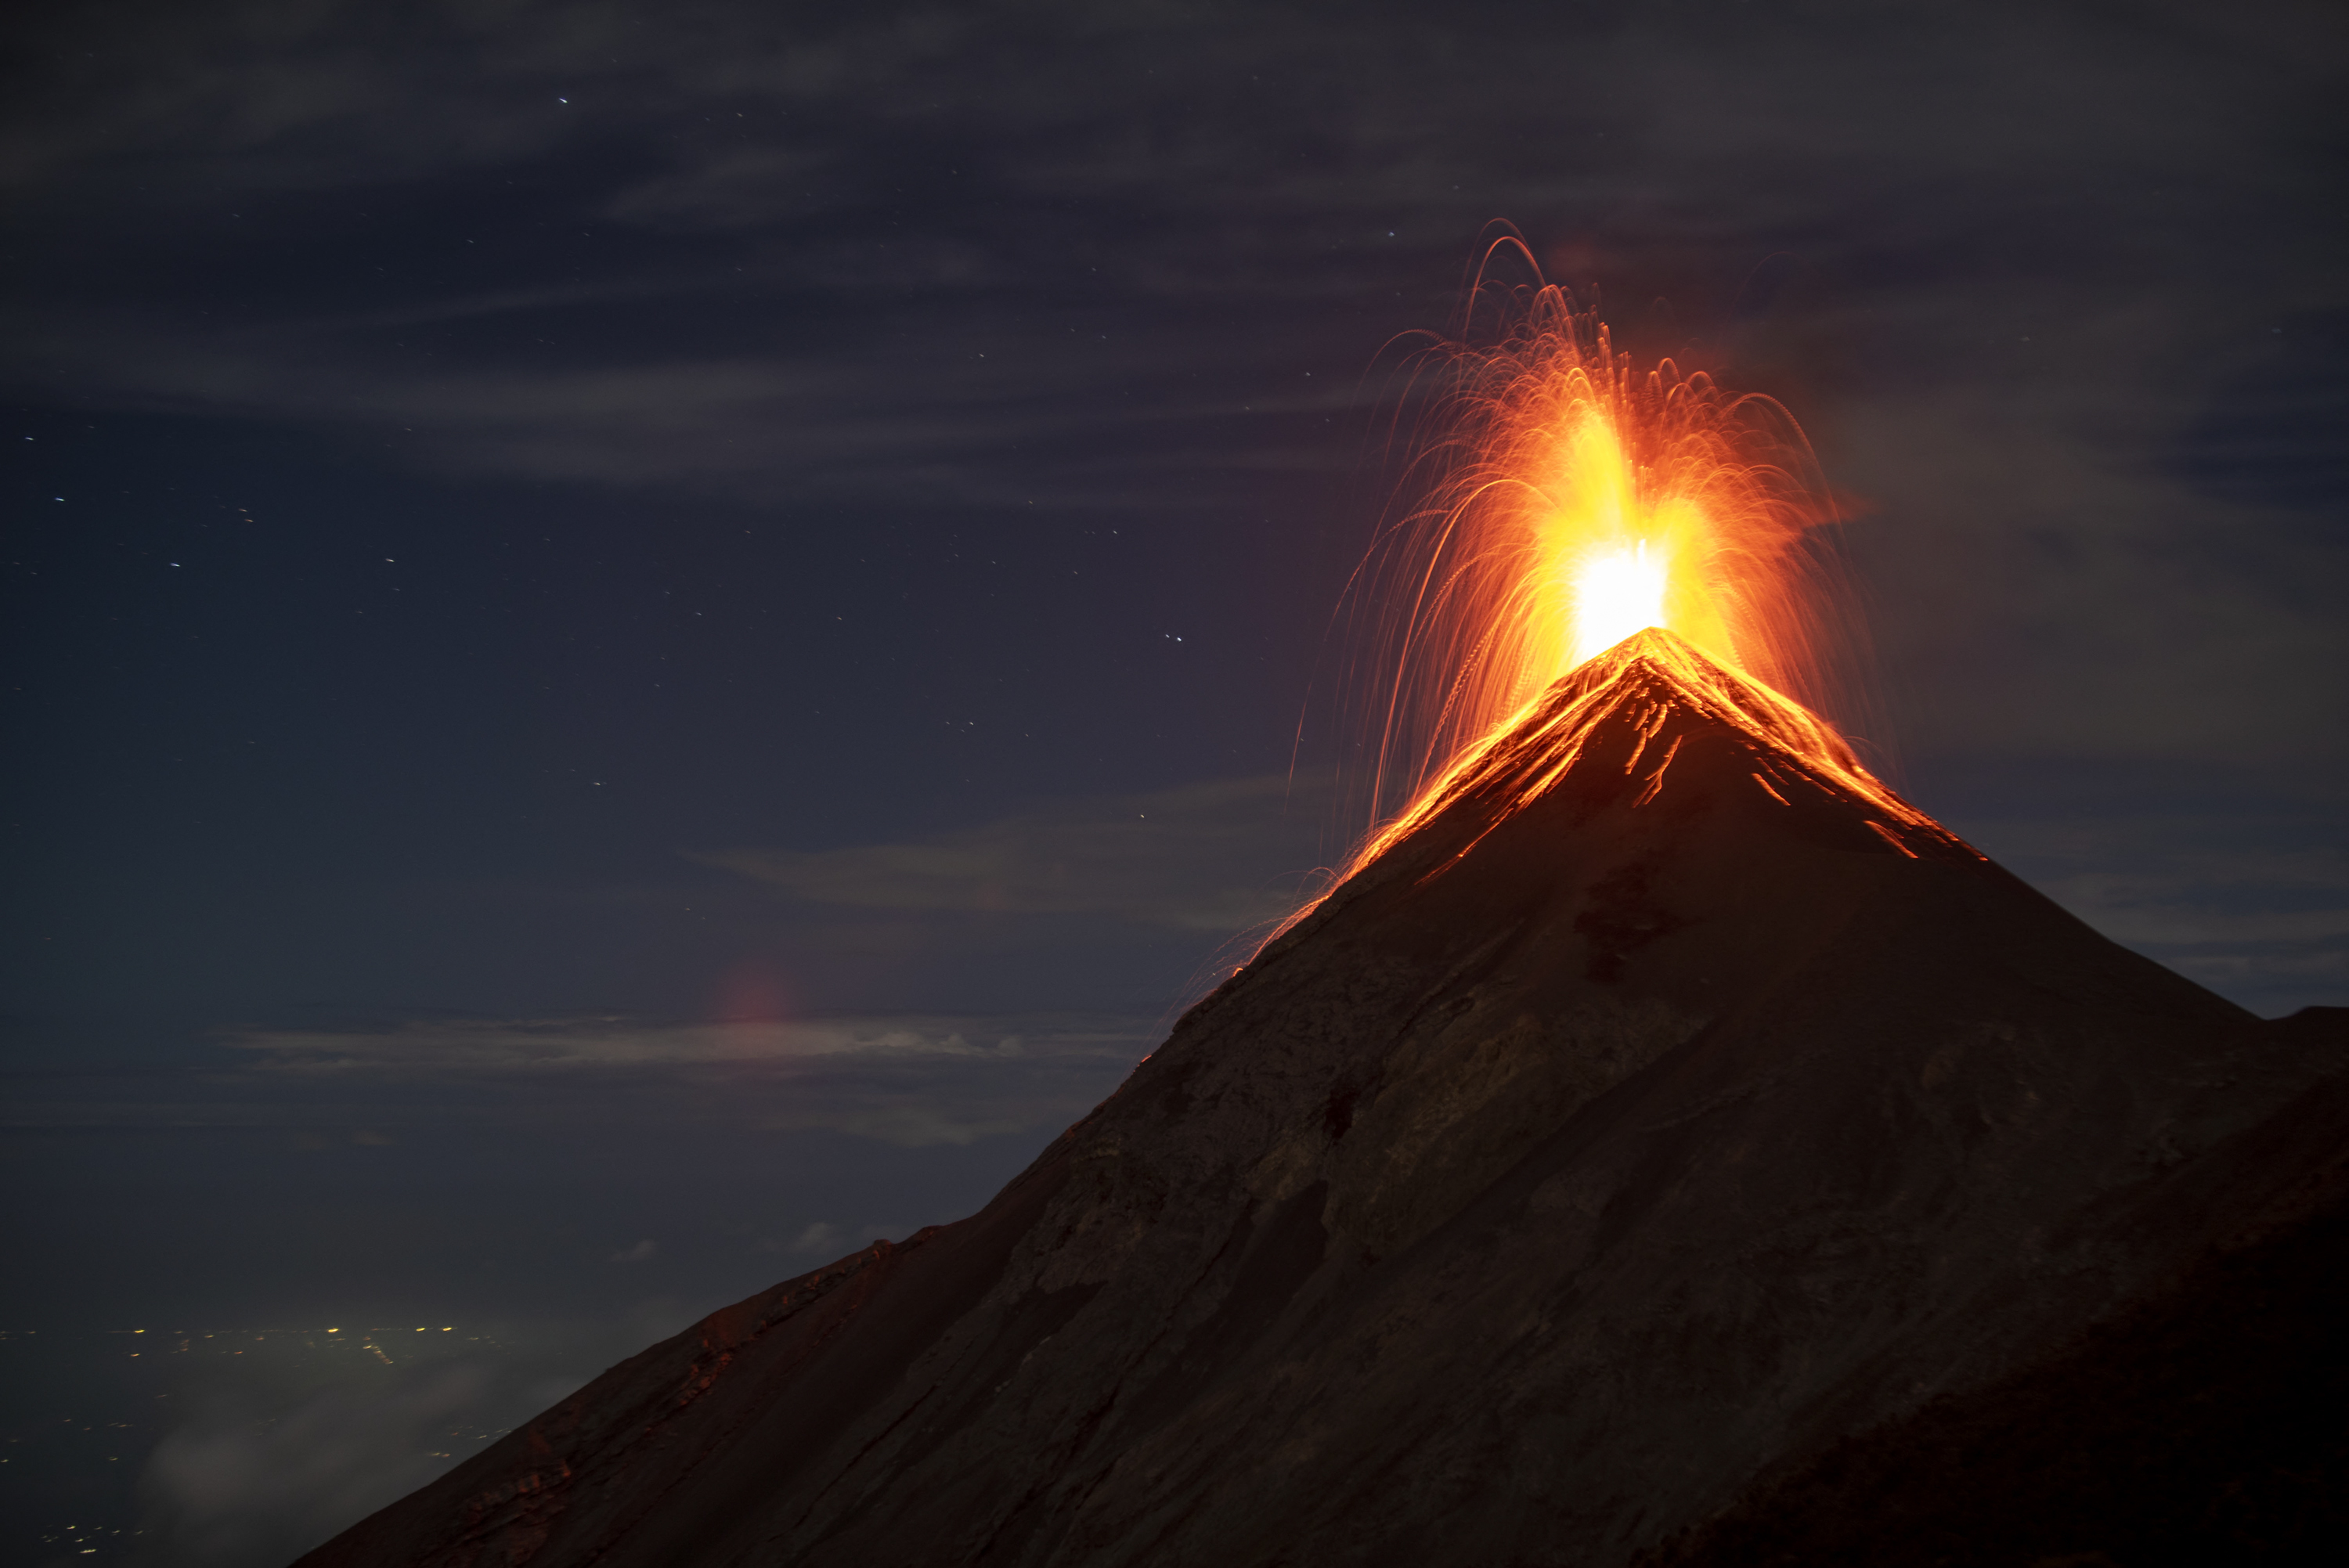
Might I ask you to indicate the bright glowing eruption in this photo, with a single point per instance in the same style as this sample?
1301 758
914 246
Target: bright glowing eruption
1571 502
1617 591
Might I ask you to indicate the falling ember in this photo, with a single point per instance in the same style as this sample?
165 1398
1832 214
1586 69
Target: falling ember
1571 503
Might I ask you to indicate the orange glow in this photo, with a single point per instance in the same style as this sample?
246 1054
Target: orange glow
1573 503
1636 685
1615 592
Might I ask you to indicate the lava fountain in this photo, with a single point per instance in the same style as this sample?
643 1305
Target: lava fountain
1571 503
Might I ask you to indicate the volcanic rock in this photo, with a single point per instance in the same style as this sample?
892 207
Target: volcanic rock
1672 1145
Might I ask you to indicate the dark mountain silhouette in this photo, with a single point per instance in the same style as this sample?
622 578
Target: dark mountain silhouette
1671 1145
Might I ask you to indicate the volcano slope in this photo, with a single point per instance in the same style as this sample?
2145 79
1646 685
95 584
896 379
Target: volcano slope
1666 1113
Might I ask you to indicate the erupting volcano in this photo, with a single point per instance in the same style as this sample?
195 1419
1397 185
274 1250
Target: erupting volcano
1566 502
1664 1143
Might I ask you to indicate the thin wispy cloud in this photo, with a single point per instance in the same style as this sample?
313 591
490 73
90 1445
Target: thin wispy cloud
914 1081
440 1048
1179 858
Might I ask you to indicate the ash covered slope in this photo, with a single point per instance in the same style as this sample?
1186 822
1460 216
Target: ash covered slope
1668 1103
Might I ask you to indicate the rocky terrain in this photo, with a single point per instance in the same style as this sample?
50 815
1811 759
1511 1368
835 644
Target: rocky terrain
1674 1149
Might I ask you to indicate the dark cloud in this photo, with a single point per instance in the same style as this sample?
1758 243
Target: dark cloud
241 1481
1086 250
2250 898
278 1438
1177 857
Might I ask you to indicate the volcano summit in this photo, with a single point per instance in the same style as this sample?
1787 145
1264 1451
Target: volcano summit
1669 1144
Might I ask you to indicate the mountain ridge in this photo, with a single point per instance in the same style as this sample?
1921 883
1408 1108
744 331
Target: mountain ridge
1615 1139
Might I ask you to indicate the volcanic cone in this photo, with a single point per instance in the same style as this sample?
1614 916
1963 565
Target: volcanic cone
1667 1111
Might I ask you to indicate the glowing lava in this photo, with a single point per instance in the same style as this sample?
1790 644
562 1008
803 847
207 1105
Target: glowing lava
1616 592
1600 552
1574 503
1648 687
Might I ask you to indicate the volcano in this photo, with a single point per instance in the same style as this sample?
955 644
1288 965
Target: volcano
1670 1146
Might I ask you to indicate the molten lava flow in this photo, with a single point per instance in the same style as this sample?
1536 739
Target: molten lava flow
1641 686
1576 504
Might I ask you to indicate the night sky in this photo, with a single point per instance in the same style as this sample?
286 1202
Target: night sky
645 642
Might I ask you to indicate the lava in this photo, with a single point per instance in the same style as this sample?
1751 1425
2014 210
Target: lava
1573 501
1639 683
